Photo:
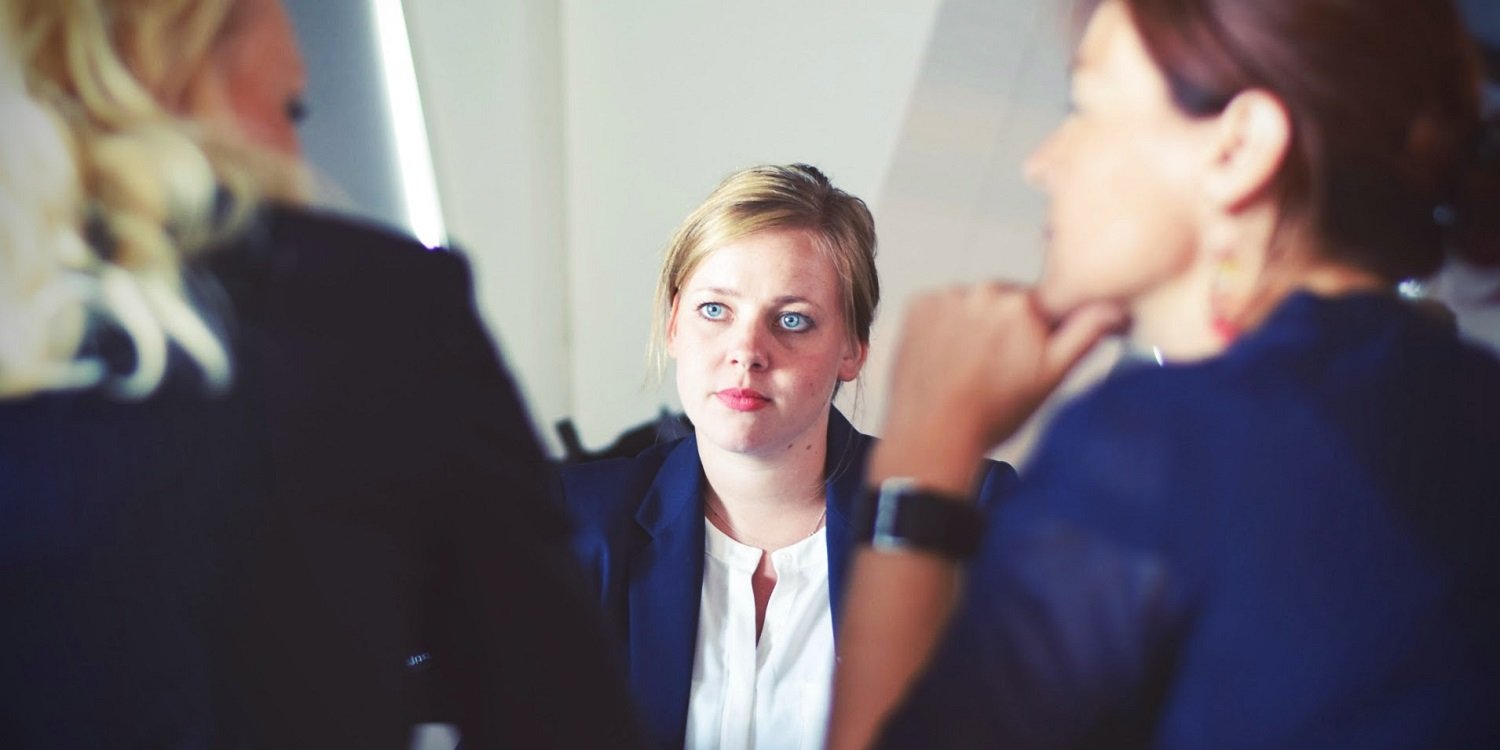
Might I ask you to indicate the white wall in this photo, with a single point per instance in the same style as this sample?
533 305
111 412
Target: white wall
490 78
666 97
348 139
571 137
954 207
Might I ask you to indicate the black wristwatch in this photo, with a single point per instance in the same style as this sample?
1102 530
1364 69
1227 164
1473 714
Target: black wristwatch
901 515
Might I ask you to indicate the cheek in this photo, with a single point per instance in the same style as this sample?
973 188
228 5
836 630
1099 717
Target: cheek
692 380
1124 225
692 341
818 373
688 357
259 109
697 359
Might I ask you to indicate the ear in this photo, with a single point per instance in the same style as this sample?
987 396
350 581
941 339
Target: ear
1253 136
672 329
853 362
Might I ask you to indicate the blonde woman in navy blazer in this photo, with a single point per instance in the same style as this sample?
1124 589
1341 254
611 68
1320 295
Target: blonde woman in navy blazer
765 298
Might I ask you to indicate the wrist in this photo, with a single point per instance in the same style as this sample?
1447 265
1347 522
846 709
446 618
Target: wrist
947 464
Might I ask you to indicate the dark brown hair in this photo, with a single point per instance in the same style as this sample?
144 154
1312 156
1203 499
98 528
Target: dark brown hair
1385 101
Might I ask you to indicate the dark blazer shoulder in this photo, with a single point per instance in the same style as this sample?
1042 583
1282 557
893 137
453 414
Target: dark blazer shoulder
326 259
335 232
324 246
605 494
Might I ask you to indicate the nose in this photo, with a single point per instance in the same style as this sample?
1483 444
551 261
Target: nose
749 348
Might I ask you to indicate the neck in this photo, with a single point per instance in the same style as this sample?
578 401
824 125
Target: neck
1174 319
770 501
1270 261
1324 279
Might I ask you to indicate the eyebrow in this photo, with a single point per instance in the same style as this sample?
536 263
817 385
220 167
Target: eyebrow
784 299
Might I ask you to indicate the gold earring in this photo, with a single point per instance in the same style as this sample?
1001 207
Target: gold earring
1227 276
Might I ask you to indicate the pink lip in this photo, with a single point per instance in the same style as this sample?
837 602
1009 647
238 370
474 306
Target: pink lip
743 399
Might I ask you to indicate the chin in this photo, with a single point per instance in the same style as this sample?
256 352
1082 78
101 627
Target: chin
735 438
1055 300
1059 300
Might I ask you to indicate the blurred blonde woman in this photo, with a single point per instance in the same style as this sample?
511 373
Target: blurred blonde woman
265 481
719 558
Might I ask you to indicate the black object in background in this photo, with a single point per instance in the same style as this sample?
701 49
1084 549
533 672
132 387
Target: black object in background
665 428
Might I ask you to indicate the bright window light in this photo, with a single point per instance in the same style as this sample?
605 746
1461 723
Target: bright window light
418 184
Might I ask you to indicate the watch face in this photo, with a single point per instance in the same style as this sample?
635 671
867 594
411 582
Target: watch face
888 501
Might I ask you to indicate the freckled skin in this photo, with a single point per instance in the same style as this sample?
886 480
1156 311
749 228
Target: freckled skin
752 284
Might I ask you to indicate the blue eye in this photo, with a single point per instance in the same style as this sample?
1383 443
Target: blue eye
712 310
794 321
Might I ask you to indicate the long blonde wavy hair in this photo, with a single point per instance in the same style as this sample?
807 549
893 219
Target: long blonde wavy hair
107 192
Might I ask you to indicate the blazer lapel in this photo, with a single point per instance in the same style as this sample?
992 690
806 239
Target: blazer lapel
844 472
666 581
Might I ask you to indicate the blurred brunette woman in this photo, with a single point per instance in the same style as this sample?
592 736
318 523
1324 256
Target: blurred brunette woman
1282 537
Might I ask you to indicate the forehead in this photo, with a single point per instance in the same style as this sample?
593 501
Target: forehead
1110 46
1112 66
768 264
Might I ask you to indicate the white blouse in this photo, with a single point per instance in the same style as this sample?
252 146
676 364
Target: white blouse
772 695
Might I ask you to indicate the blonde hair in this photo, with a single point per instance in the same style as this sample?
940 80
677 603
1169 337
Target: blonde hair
41 310
117 191
769 198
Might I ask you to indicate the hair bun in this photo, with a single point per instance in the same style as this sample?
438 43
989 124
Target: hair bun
813 172
1472 218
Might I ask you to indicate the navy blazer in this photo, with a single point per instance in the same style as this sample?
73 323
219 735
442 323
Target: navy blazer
1292 545
259 569
640 536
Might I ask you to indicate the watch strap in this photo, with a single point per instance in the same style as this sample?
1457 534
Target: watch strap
899 514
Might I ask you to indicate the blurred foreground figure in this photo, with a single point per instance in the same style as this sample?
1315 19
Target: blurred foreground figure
1284 536
264 481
